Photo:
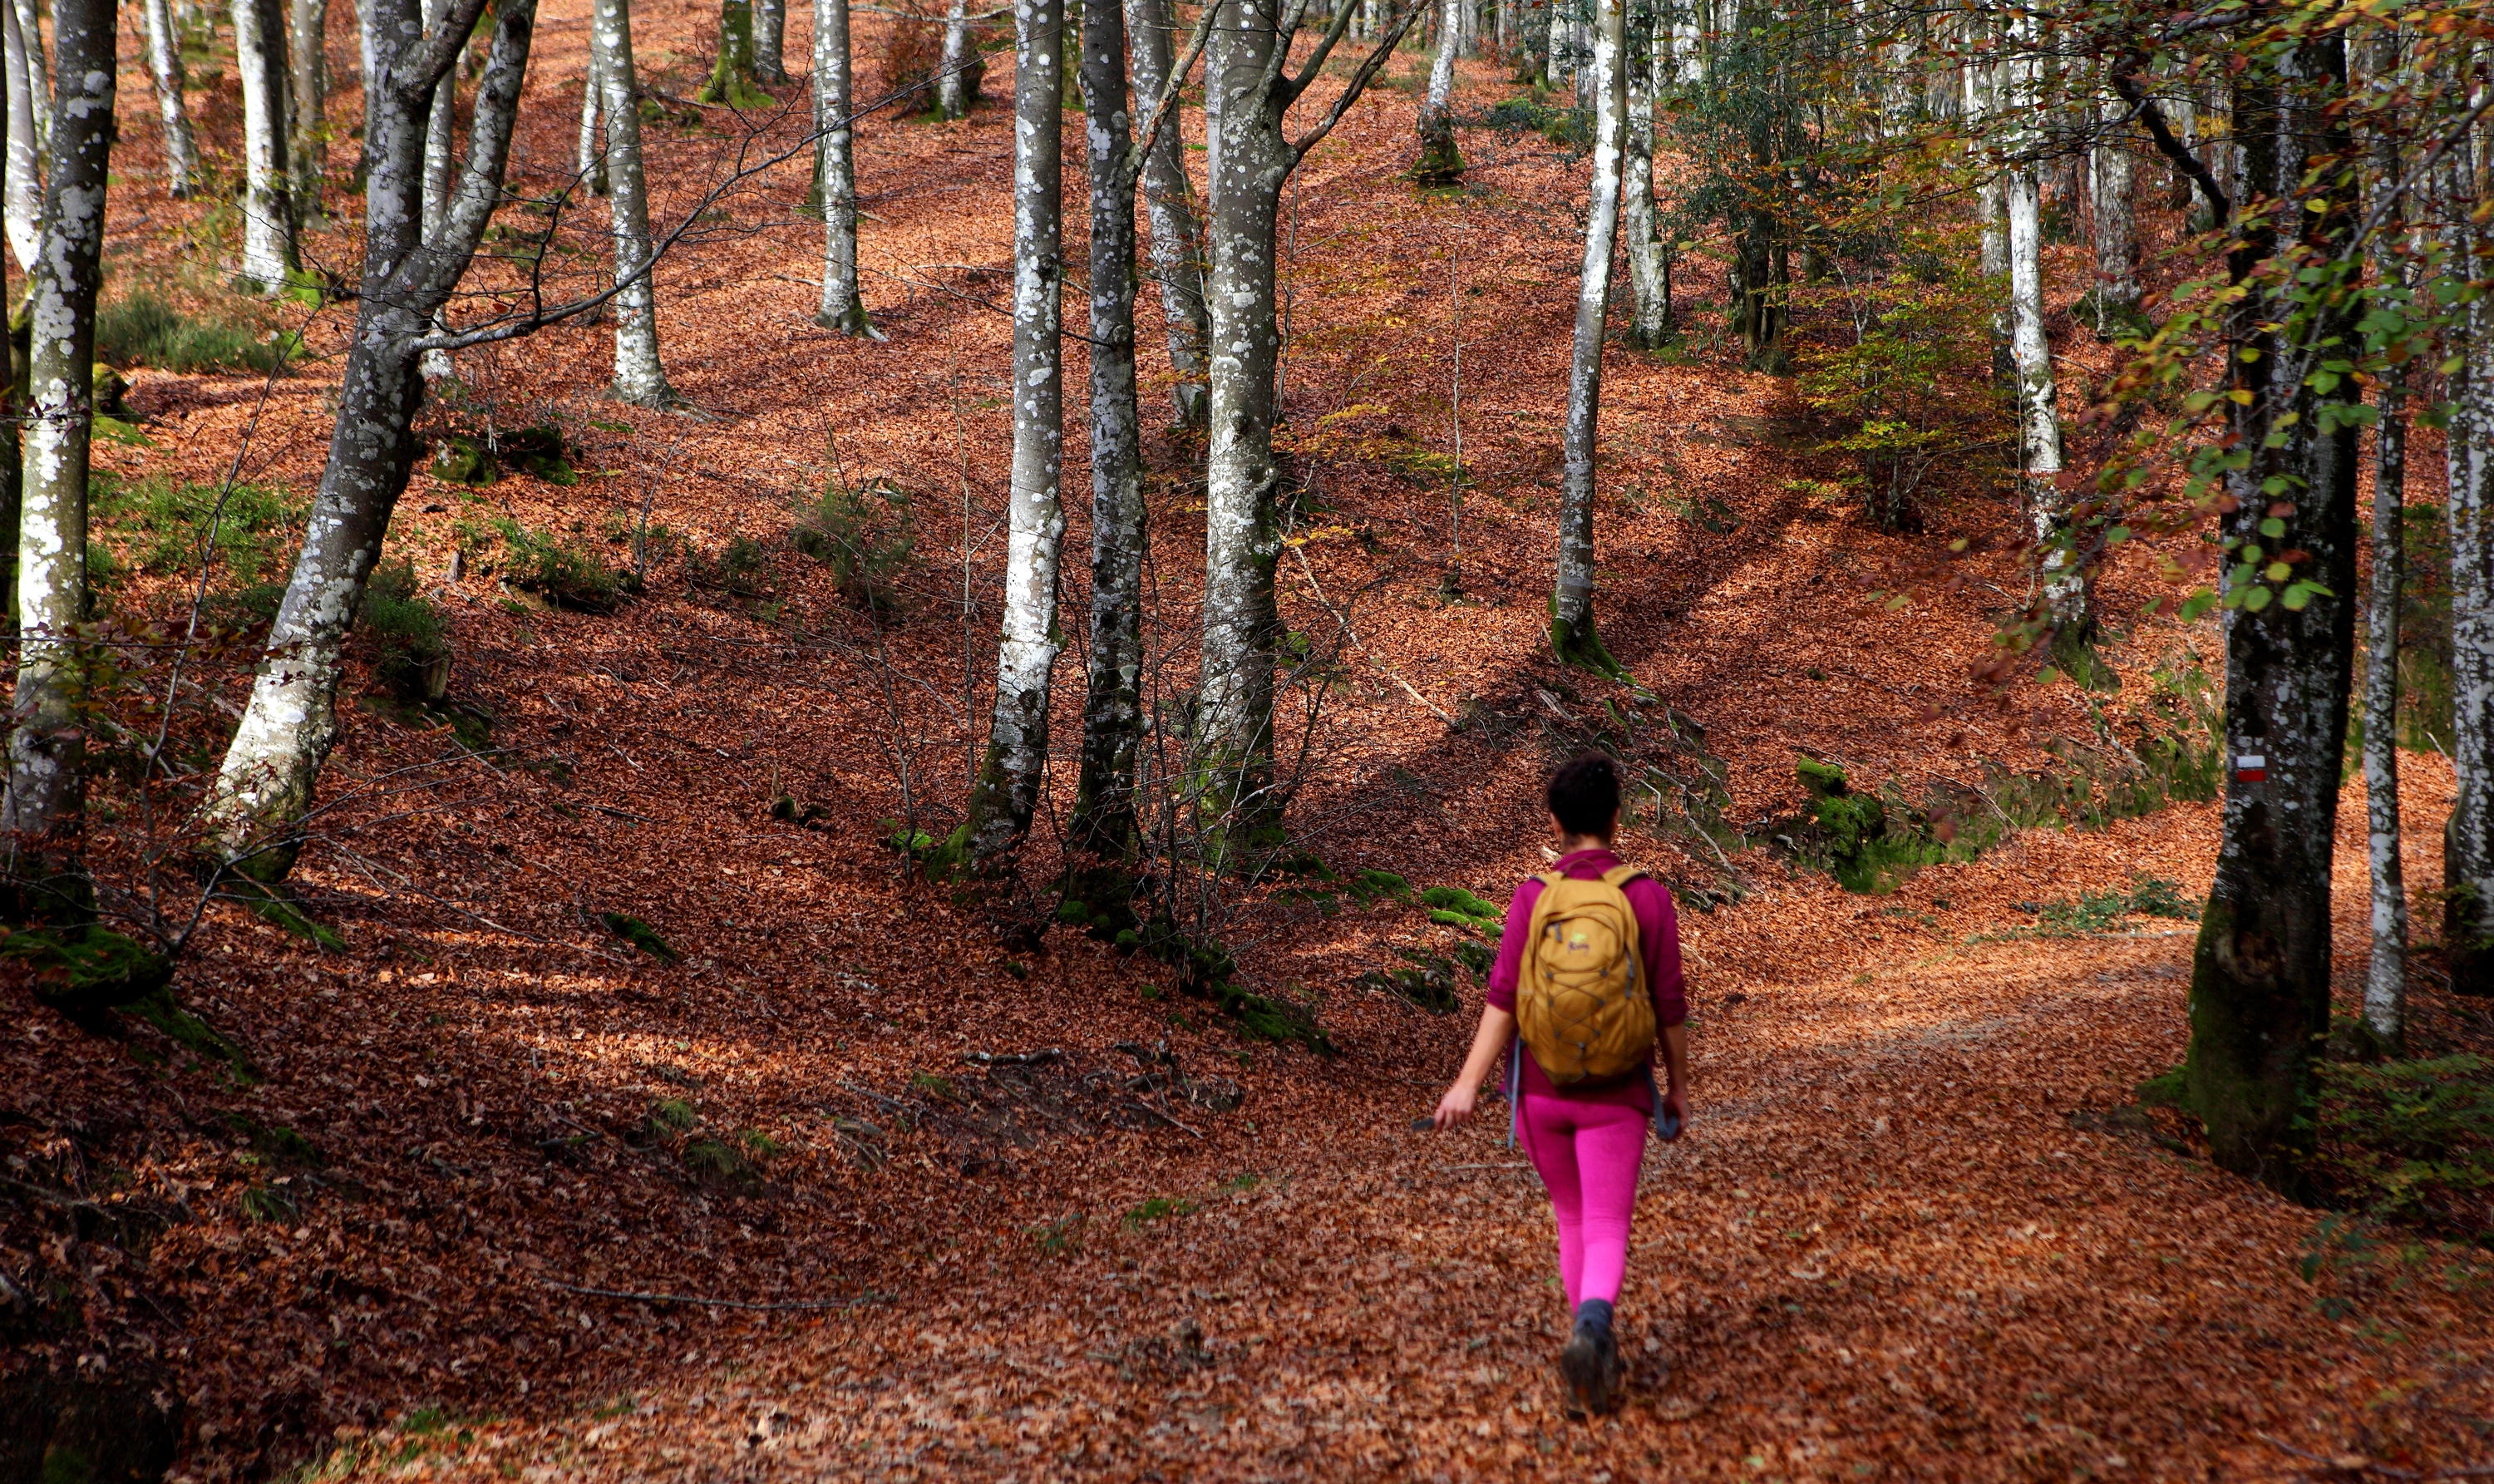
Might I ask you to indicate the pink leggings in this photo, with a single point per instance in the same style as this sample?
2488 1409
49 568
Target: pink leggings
1588 1155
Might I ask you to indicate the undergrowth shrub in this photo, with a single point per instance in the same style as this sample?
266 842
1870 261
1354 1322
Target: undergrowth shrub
408 634
561 571
1565 127
140 329
2411 1141
161 527
867 536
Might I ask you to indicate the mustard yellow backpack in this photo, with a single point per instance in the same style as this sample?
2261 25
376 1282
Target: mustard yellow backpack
1581 1004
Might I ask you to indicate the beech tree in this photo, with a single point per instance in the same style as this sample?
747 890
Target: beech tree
255 812
1104 807
1648 63
1441 162
639 377
592 168
268 210
1247 76
1177 226
307 141
165 71
1572 634
951 77
2468 392
2112 304
44 813
732 79
2385 971
770 42
843 309
27 104
1008 786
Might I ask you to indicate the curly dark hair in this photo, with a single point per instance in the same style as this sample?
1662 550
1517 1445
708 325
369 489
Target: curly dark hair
1585 795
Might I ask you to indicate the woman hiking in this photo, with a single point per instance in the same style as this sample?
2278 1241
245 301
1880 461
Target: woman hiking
1588 967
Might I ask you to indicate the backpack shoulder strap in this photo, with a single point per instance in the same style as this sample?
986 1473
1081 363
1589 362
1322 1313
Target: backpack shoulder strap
1620 875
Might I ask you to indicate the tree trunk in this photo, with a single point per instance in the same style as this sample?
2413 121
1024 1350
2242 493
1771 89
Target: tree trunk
1250 160
38 73
952 79
1008 788
265 788
2039 420
24 185
770 42
164 70
1649 270
732 80
1178 227
1991 209
1440 163
639 377
1572 634
43 814
2116 298
2468 841
843 308
268 209
592 168
1104 798
307 147
1533 65
2259 989
441 136
2385 987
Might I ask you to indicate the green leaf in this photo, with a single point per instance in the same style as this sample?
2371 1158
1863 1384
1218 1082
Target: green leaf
2293 598
2273 528
2197 603
2256 598
2278 571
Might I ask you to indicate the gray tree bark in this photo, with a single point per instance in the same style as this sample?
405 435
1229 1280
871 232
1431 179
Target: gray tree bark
1008 788
1104 798
639 377
164 70
2039 420
307 146
2385 987
1247 98
38 73
256 815
1440 163
2468 839
1572 634
27 104
836 172
2117 224
1649 257
1990 206
952 84
44 813
2260 988
771 41
592 168
1178 227
268 209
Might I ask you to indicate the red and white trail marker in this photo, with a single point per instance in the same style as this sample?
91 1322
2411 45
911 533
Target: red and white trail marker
2251 768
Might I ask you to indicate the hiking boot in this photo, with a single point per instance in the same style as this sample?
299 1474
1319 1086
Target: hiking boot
1590 1365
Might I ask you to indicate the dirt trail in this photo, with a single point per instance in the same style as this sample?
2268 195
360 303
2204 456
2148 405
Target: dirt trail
1910 1234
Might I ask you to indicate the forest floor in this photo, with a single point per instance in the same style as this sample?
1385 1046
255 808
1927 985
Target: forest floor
486 1199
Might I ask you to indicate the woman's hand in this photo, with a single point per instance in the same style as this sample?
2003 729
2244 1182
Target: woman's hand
1457 1107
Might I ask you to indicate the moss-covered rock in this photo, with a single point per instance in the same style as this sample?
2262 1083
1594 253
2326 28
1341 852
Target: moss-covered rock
459 459
87 968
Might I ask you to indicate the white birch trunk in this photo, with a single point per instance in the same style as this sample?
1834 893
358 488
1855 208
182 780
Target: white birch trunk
639 377
264 788
2117 226
1648 260
2386 989
1103 799
771 41
843 308
42 814
267 214
1572 634
592 166
25 181
38 73
951 87
1177 226
307 147
1026 646
165 71
2468 843
1440 163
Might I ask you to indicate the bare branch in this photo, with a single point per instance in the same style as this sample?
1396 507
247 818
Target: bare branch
1359 80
